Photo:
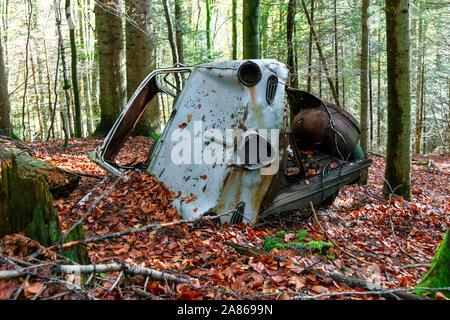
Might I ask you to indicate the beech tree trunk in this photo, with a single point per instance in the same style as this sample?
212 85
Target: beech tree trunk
398 157
5 120
66 84
73 49
108 21
364 79
289 35
141 60
172 41
321 55
310 43
250 29
234 30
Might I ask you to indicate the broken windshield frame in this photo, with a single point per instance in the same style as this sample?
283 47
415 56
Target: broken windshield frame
126 122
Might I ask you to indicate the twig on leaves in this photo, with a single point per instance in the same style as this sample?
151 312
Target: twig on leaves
91 208
374 292
154 226
329 238
19 291
392 223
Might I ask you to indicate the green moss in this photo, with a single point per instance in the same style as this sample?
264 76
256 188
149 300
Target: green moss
297 243
154 136
439 274
14 136
272 243
302 234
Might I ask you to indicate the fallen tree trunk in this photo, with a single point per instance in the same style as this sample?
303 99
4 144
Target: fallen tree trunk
99 268
60 182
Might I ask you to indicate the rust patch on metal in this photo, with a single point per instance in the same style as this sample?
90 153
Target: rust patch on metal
251 90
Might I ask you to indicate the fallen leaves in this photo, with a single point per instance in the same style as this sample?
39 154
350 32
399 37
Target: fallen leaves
358 221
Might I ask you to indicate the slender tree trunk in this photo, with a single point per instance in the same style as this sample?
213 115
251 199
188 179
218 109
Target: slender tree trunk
364 84
73 49
86 75
289 33
419 92
179 30
336 53
343 76
321 55
5 108
234 29
141 60
208 30
49 94
250 29
36 95
398 158
45 110
66 85
24 98
370 101
310 43
172 42
379 92
263 28
108 21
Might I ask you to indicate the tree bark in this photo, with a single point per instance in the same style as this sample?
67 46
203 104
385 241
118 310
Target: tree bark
321 55
419 86
250 29
208 30
364 85
310 43
36 95
73 49
234 29
141 60
379 92
172 41
289 34
179 30
5 118
398 158
108 21
66 85
336 53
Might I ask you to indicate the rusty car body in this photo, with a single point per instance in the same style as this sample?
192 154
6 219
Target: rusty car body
228 143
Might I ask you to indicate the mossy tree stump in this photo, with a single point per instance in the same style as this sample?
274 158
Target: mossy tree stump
26 204
439 274
60 182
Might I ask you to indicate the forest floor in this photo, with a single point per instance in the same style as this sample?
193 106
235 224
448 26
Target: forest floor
396 240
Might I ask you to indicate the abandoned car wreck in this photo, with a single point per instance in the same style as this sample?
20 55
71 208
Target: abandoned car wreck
230 143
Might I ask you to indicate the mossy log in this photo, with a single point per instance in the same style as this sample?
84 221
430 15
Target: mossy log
26 204
60 182
439 274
